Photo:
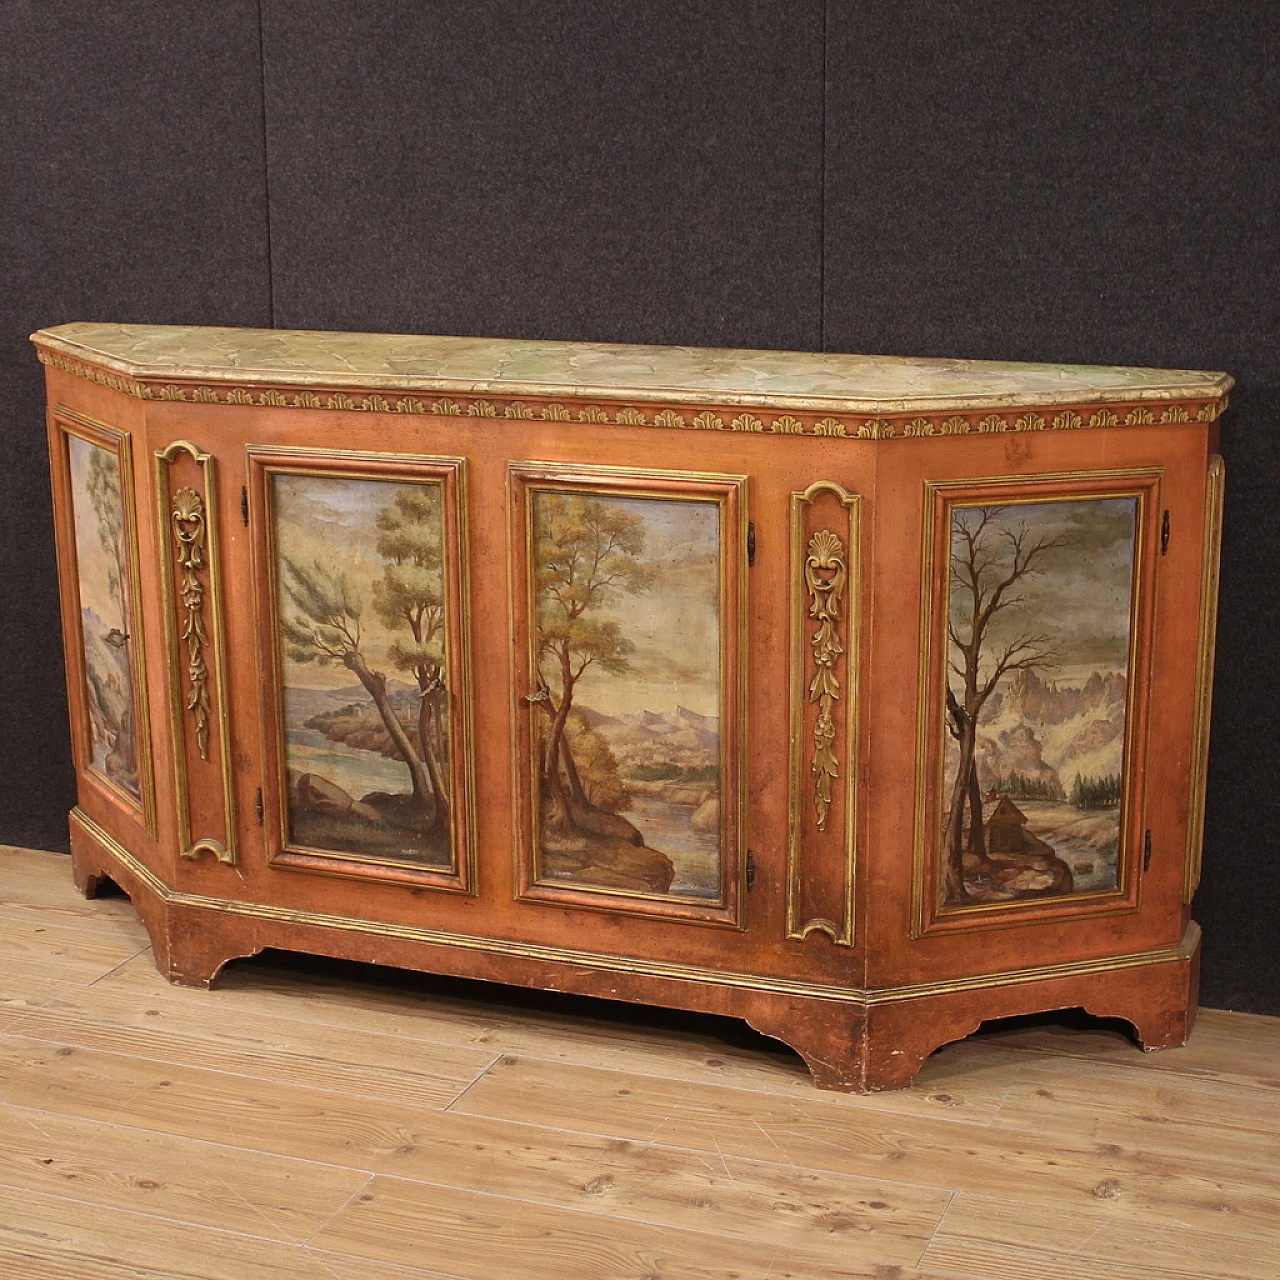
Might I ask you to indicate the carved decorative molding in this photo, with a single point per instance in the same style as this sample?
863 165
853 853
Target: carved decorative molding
846 426
821 853
188 525
189 551
825 573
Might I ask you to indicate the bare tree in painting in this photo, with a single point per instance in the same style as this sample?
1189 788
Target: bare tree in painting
990 555
325 628
410 597
588 550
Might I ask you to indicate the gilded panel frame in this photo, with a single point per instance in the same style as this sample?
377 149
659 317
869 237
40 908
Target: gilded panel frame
929 915
729 492
263 462
69 423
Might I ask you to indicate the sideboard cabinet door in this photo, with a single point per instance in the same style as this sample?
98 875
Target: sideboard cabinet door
1036 675
93 481
360 565
630 615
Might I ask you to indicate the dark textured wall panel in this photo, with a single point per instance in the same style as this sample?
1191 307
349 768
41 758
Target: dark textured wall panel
1076 182
131 189
645 173
1093 182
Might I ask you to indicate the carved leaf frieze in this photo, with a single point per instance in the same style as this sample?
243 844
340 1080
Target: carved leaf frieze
849 426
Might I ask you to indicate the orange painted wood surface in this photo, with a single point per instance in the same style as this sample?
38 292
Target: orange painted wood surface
864 1010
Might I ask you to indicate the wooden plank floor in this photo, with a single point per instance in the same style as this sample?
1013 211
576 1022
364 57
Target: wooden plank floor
310 1121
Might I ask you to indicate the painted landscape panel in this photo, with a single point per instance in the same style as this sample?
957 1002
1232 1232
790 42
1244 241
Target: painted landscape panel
1039 624
362 607
106 611
628 643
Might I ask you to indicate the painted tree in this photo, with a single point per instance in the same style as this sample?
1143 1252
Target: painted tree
587 554
324 628
596 766
410 599
990 555
102 480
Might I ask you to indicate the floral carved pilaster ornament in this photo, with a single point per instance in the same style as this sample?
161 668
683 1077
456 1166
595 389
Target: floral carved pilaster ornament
189 537
825 575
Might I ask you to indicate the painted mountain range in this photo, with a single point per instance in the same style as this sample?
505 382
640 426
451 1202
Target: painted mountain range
679 738
1053 733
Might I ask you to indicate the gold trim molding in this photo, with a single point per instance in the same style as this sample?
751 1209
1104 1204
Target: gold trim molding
1180 952
189 528
847 426
1206 646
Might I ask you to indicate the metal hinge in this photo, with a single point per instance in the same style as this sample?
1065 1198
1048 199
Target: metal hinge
751 543
244 505
1164 533
751 870
1146 852
257 805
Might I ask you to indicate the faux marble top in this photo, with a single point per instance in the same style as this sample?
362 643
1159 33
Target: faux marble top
800 380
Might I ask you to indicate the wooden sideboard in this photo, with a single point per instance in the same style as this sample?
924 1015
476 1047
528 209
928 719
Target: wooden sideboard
861 698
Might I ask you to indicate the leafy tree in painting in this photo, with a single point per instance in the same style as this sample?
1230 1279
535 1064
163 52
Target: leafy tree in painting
588 552
103 484
409 598
597 766
324 627
990 555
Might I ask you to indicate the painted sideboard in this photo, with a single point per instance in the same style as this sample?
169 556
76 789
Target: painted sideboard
861 698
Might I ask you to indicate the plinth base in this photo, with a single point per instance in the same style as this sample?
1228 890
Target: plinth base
852 1040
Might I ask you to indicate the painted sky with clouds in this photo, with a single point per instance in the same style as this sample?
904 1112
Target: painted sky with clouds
1081 597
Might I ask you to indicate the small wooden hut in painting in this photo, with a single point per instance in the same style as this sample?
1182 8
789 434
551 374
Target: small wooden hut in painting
1005 828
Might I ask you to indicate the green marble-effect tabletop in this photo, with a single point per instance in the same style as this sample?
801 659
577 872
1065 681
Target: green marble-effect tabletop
687 375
